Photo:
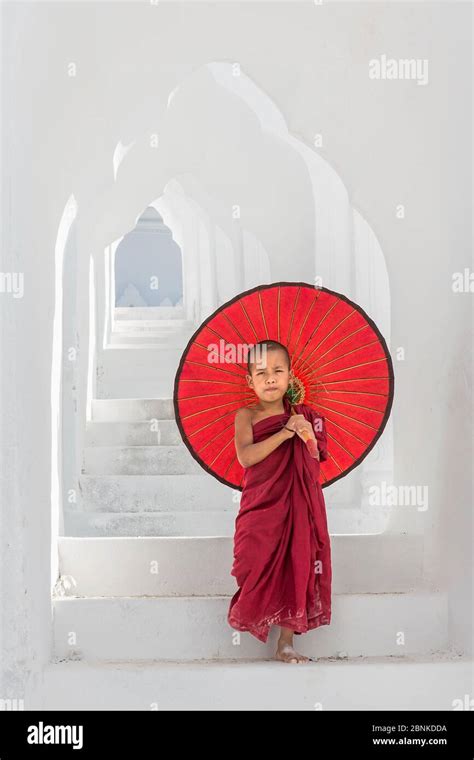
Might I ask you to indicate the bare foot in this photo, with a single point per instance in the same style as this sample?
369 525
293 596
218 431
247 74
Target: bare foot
286 653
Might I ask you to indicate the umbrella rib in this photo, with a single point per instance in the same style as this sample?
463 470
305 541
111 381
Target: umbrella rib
335 462
278 315
315 329
347 416
212 422
230 465
349 432
359 393
321 470
262 313
209 409
216 436
212 366
234 327
329 333
354 366
359 406
344 430
201 380
248 319
352 380
306 360
220 452
206 348
313 303
292 315
342 447
208 424
217 393
348 353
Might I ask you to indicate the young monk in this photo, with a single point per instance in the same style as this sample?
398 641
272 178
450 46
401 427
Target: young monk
282 555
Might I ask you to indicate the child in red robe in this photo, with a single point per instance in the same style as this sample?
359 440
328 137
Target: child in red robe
282 554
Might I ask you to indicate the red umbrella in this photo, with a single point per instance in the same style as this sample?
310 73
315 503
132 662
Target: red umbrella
340 361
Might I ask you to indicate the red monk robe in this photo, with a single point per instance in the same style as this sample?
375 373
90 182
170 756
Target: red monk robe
282 553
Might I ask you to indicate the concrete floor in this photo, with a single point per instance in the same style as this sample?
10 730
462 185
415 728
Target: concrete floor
438 682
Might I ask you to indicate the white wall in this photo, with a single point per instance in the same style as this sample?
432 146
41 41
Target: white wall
386 141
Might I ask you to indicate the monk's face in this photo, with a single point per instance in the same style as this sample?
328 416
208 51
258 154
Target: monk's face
270 375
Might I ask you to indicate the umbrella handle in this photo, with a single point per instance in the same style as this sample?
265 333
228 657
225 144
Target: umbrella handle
311 444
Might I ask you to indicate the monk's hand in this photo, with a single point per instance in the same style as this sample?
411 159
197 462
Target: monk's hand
299 423
288 431
295 420
303 426
305 431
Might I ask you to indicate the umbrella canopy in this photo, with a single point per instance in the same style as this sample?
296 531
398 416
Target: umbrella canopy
340 361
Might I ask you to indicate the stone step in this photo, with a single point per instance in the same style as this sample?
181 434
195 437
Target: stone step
120 386
436 682
357 520
137 493
160 326
142 359
179 521
200 565
137 371
164 432
132 409
149 312
190 628
139 460
172 523
140 494
142 345
158 340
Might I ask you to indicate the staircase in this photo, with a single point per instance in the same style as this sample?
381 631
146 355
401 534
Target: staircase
145 347
145 565
139 479
166 598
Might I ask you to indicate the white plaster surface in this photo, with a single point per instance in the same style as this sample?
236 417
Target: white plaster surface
249 196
